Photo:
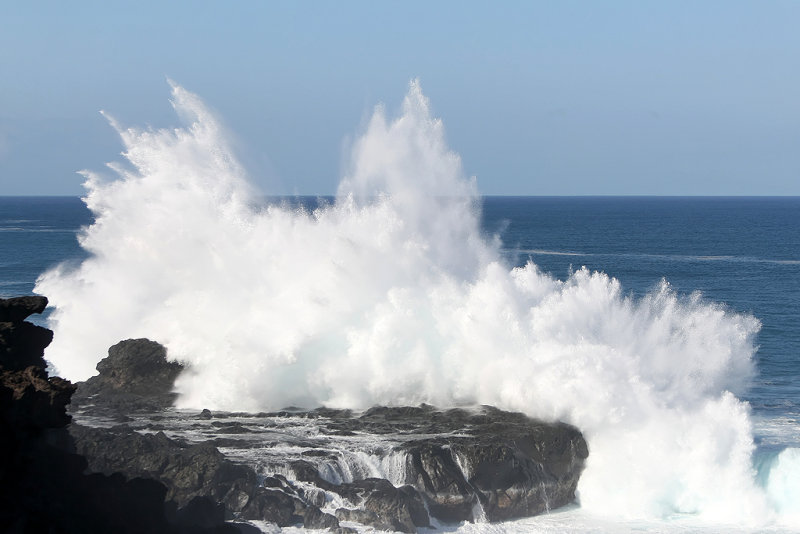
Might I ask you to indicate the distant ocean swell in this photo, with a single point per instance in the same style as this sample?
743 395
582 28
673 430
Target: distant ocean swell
667 257
391 295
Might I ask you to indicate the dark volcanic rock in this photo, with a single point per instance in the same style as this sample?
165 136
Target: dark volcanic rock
316 518
524 471
400 509
275 506
484 464
450 465
43 488
187 471
450 497
512 465
135 376
17 309
35 400
22 344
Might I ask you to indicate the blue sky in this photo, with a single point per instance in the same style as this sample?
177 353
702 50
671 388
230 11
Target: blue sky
539 98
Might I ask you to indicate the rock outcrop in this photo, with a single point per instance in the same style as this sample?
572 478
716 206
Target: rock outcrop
187 471
134 377
516 469
43 487
191 472
480 464
22 343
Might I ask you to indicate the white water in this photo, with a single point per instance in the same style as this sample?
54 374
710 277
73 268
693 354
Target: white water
392 296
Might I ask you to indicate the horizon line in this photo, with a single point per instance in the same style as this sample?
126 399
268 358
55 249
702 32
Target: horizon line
515 195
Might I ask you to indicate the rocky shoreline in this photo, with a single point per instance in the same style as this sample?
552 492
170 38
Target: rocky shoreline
45 486
390 468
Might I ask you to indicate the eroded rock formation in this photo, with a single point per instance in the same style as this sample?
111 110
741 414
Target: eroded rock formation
479 464
135 376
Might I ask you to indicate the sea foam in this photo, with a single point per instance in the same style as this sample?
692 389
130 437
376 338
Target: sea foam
391 295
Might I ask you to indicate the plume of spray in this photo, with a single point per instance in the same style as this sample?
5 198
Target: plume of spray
391 295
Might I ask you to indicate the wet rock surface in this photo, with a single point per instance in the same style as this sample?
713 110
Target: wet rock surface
390 468
187 471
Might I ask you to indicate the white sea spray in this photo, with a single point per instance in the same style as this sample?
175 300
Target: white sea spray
391 295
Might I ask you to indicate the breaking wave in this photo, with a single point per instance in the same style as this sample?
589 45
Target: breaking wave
391 295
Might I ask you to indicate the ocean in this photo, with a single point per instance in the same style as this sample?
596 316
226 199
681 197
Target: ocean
742 253
665 329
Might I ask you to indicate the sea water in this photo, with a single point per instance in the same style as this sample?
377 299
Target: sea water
665 328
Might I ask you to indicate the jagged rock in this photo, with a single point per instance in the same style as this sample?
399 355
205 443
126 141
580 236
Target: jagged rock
135 376
317 519
22 344
275 506
359 515
238 496
17 309
306 472
495 466
512 466
450 497
525 471
43 488
187 471
400 508
36 400
313 496
461 465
